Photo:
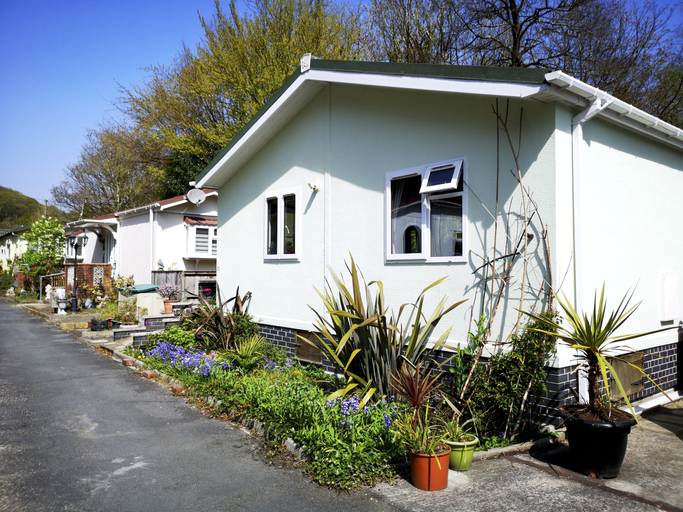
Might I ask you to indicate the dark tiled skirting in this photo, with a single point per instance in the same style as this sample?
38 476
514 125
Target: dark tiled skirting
661 362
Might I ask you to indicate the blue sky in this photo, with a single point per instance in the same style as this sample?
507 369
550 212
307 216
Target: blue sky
61 61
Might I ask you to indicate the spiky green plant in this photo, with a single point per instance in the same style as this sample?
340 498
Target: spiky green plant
357 337
594 337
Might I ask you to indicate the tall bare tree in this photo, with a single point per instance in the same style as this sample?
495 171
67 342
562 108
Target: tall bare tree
624 47
117 169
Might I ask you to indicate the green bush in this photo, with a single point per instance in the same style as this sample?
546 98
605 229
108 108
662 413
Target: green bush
245 327
174 334
6 282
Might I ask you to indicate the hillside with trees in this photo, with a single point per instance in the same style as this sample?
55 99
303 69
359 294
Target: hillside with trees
18 209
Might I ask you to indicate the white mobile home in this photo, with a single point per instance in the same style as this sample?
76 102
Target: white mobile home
407 168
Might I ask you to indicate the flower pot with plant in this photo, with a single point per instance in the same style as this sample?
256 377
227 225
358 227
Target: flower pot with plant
597 432
427 452
462 443
170 293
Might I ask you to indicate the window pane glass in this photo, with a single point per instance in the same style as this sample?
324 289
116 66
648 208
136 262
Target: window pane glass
440 176
272 226
201 240
214 247
290 227
446 226
406 215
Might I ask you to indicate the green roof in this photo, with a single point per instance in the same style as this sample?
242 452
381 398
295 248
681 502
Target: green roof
480 73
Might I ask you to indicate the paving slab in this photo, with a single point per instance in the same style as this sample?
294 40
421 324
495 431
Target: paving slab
650 479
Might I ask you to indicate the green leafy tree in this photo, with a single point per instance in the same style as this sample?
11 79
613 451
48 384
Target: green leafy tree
195 106
44 253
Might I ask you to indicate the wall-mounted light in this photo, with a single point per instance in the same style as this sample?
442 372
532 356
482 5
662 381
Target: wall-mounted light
313 187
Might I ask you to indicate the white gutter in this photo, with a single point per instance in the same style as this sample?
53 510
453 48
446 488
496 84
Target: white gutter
594 109
617 110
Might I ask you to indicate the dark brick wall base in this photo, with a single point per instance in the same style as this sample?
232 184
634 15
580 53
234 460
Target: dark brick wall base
661 362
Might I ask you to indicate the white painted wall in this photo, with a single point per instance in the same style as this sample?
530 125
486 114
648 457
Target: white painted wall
345 141
632 215
133 233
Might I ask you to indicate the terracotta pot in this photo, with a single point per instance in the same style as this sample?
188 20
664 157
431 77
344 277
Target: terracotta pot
428 474
461 454
168 306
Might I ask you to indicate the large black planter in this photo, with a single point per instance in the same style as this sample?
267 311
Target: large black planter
598 448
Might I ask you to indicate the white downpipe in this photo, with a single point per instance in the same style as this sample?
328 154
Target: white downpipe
151 243
577 142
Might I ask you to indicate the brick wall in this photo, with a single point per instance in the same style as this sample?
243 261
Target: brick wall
86 274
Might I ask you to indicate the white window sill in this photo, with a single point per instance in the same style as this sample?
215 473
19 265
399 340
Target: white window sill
199 256
453 259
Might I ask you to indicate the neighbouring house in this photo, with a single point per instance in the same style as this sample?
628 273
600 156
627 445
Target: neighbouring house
12 246
407 168
170 235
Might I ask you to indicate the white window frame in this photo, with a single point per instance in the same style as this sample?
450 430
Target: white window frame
280 251
192 240
439 191
70 250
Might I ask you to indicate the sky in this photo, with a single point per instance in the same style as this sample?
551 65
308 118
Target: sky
62 61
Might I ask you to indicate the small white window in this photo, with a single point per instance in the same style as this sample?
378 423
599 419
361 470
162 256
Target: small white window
205 240
441 177
282 212
425 213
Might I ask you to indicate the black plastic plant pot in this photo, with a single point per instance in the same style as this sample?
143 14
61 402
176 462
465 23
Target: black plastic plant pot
98 325
598 448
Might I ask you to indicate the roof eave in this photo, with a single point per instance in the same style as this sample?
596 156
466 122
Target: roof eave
568 89
308 83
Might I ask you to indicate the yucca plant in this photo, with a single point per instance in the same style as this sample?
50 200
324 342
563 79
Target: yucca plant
357 337
211 321
594 337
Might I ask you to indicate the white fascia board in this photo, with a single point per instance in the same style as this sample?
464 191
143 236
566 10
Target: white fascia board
284 108
312 81
171 205
618 110
449 85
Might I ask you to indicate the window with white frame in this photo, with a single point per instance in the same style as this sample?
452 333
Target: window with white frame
205 240
70 250
425 213
281 230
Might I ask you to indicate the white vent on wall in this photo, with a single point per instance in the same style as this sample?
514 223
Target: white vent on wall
669 300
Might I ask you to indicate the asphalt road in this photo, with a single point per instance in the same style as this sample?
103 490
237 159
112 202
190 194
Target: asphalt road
80 432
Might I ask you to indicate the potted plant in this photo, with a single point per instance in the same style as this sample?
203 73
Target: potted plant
170 293
462 443
428 454
597 432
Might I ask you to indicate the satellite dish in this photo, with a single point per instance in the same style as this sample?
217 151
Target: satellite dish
196 196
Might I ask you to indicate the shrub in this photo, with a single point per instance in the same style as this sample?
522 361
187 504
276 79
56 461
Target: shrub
359 339
170 291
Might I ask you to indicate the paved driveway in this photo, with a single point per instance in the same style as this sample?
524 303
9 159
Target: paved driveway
79 432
